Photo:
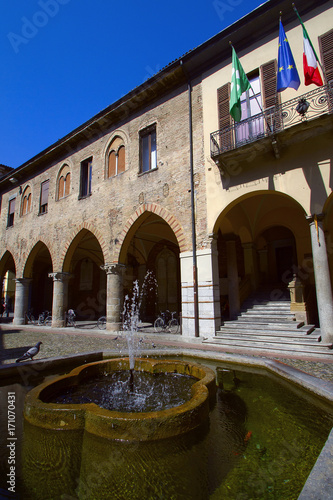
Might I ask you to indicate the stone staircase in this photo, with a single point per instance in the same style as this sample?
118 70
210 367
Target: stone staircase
267 325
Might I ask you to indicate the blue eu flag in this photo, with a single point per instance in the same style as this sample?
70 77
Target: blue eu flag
287 73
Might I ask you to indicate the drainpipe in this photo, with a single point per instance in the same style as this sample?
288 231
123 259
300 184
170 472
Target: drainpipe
194 243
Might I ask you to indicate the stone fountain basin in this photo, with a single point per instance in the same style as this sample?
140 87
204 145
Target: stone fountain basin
120 425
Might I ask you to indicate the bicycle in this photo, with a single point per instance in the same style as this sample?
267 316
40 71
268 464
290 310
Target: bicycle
45 319
30 318
162 324
70 318
101 323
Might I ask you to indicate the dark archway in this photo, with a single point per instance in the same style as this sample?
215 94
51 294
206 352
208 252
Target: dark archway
153 249
38 268
87 285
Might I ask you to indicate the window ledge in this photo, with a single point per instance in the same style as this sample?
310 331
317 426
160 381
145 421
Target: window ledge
84 197
147 171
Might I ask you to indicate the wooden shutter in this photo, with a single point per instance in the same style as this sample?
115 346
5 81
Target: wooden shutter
67 184
61 187
271 98
25 205
29 202
223 96
268 74
121 159
326 50
112 164
12 206
45 193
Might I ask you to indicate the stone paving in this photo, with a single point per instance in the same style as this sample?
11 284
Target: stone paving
14 341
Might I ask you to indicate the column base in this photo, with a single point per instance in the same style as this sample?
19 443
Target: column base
58 323
114 326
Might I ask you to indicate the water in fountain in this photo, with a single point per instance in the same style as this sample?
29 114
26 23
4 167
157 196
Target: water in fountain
131 319
151 391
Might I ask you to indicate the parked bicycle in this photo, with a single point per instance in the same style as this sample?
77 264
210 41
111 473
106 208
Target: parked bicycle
164 324
45 318
70 318
30 318
101 322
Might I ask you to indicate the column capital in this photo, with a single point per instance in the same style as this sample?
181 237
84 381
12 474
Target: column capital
113 268
23 281
61 276
313 217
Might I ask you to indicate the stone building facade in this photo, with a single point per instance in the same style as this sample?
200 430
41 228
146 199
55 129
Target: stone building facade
163 181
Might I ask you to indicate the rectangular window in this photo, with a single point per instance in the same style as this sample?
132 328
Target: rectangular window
85 178
11 212
44 197
252 126
148 159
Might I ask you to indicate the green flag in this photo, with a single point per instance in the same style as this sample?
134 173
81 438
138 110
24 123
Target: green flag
239 84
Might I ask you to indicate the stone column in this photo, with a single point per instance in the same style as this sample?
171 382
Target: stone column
233 285
21 300
322 277
114 289
60 298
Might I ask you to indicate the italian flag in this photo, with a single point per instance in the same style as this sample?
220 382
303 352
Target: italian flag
310 58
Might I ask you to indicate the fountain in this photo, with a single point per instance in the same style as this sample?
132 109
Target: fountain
67 403
138 427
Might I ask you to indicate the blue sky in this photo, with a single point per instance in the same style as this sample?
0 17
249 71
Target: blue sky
63 61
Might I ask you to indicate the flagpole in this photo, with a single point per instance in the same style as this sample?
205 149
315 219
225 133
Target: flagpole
262 111
317 58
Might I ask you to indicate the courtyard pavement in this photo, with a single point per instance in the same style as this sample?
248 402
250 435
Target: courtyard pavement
86 337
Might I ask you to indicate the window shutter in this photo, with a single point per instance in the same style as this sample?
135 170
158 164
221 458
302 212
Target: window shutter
223 97
29 202
223 105
67 184
271 97
25 205
121 159
268 74
61 187
45 193
326 50
12 206
112 164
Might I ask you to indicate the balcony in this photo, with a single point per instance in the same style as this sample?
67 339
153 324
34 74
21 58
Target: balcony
264 127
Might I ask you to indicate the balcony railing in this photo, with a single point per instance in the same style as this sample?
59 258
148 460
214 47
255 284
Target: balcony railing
273 120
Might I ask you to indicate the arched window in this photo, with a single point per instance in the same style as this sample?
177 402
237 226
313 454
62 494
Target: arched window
112 170
121 159
64 182
26 201
116 158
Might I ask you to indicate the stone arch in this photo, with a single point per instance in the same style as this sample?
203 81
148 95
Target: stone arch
262 199
64 258
84 265
6 256
133 222
37 269
31 254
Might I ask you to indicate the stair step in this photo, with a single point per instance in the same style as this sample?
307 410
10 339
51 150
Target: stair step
264 333
275 339
320 350
265 319
288 327
251 344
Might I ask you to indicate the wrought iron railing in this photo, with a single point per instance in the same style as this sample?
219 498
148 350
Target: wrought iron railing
273 120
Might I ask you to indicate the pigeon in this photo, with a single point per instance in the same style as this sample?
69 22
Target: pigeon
30 353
